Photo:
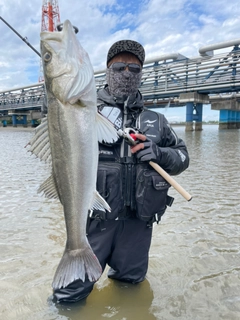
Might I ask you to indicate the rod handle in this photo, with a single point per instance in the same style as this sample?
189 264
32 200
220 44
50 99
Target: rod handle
170 180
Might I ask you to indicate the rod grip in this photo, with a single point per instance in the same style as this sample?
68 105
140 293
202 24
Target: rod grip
170 180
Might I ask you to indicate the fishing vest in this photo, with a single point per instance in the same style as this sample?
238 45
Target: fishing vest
131 188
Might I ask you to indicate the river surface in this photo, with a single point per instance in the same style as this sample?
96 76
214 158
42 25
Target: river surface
194 267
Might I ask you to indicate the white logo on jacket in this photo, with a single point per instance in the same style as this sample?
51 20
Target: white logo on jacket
183 157
149 121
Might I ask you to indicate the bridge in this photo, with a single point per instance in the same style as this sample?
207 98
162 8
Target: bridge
171 80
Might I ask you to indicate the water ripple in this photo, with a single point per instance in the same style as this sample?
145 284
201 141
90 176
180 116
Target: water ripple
194 261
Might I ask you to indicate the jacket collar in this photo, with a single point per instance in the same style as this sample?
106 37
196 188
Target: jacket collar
135 102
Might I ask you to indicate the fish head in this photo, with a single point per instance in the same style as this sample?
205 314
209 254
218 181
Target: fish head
68 72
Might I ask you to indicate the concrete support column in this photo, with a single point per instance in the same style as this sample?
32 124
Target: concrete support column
193 113
189 116
238 119
194 109
24 121
14 120
19 119
233 120
228 112
33 123
228 119
4 122
197 116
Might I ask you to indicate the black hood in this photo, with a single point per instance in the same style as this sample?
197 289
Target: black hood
135 102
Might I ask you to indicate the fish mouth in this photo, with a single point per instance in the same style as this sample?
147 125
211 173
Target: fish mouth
68 61
58 35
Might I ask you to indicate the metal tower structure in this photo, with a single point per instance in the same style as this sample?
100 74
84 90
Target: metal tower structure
50 20
50 15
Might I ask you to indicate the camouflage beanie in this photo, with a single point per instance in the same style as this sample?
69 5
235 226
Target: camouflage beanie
127 46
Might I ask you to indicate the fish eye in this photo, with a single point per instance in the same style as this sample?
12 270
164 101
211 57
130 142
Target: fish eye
47 57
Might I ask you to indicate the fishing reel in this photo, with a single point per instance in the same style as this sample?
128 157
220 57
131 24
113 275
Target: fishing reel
128 135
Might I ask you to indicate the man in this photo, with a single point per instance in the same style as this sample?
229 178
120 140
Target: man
136 193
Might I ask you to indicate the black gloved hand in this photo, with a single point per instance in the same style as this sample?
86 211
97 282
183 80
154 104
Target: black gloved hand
151 152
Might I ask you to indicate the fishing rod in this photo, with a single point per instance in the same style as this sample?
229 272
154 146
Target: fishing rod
129 135
59 28
23 39
172 182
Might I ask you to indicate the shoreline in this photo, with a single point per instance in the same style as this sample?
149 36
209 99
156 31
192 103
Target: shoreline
10 127
32 128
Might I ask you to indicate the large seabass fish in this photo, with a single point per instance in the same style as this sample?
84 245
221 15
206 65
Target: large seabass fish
68 139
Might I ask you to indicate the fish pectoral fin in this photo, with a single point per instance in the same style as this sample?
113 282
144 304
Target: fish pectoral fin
74 265
99 203
105 130
48 187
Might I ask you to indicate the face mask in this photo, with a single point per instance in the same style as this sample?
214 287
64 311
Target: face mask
124 83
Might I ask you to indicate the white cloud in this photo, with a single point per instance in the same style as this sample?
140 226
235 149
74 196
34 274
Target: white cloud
162 26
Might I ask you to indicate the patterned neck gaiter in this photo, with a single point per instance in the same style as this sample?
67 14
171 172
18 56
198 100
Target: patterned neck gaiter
123 83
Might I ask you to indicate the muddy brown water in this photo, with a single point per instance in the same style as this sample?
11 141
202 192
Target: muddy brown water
194 266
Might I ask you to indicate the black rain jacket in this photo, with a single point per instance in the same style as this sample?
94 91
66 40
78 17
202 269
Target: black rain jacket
129 186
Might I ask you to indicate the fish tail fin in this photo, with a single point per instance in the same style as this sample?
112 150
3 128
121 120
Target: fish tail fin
76 264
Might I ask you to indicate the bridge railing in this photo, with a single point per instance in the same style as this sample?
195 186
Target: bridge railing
162 79
203 74
21 98
192 75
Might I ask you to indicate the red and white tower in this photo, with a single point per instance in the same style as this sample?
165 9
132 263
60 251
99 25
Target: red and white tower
50 20
50 15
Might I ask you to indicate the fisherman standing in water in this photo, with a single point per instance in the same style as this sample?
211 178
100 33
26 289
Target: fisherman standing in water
136 193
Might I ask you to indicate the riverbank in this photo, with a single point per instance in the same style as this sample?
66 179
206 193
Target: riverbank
18 128
180 124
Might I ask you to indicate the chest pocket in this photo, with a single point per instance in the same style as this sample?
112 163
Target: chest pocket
109 185
151 124
151 194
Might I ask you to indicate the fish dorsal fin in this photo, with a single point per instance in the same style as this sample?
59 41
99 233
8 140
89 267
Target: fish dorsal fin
99 203
48 187
105 130
39 144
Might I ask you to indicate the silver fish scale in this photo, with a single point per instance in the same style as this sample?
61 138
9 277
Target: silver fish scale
69 137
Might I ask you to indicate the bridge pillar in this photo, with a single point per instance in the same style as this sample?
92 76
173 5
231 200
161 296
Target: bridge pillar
189 116
233 116
238 119
229 119
16 119
4 122
34 123
194 109
229 114
197 116
24 120
193 113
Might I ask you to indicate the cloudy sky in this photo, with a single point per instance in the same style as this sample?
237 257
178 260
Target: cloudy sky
162 26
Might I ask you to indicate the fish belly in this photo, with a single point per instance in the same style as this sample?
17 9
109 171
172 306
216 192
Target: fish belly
74 148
